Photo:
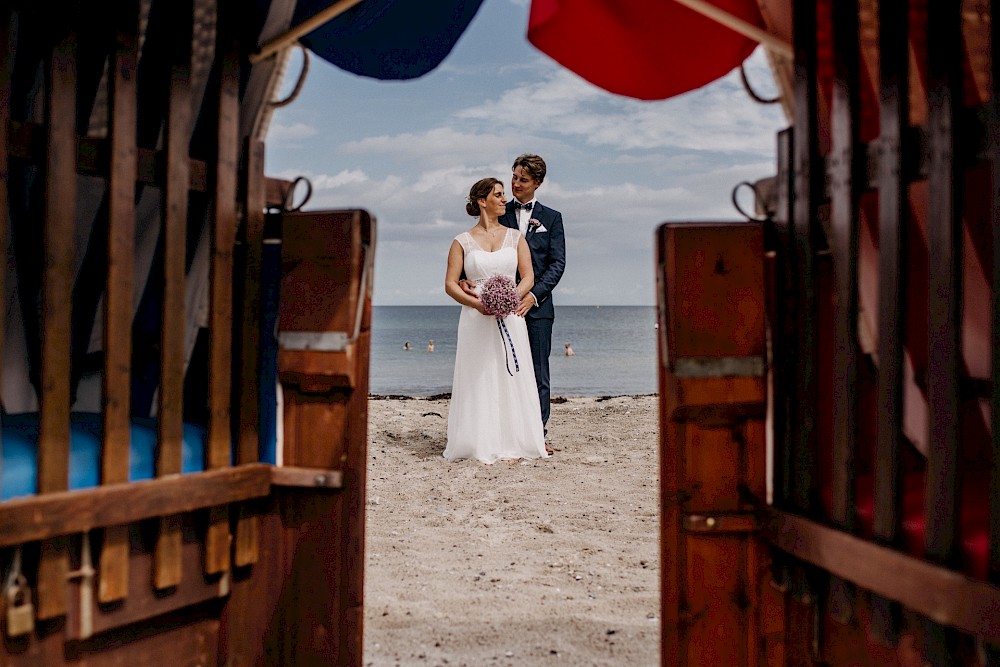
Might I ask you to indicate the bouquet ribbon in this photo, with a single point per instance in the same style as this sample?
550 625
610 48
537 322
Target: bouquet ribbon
502 328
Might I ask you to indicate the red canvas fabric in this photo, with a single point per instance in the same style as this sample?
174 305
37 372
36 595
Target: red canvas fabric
645 49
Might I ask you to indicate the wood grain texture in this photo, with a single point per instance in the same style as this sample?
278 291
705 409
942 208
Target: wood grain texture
57 289
223 220
39 517
113 568
27 142
170 395
947 597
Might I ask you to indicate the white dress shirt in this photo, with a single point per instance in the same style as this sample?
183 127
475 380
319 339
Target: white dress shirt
523 216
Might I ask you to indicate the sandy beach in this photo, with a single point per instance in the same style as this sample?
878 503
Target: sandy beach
550 562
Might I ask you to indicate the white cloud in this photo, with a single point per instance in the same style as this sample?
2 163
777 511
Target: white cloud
345 177
713 118
278 132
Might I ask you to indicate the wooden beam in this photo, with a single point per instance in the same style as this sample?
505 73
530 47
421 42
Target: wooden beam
118 296
247 542
27 142
847 178
806 234
994 158
944 301
63 513
6 64
57 290
218 450
894 224
290 36
308 478
947 597
170 407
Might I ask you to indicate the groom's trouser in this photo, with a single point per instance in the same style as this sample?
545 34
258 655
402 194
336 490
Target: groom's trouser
540 338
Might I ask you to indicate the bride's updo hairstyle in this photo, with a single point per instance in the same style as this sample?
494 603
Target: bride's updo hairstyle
481 190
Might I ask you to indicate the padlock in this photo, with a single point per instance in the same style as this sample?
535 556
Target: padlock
20 611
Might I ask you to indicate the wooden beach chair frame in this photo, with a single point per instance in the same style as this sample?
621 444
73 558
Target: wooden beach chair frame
238 562
845 347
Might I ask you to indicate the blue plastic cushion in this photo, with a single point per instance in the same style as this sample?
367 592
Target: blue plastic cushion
19 446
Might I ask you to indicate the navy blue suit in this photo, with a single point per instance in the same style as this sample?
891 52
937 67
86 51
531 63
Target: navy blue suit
548 261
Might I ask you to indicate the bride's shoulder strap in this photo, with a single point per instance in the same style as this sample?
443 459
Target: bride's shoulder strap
465 240
510 240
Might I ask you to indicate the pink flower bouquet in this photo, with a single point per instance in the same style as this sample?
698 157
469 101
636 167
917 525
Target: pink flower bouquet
499 296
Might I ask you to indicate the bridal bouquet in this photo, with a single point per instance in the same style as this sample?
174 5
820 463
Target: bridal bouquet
499 296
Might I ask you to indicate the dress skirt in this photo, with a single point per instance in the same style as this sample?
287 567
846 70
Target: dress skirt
494 411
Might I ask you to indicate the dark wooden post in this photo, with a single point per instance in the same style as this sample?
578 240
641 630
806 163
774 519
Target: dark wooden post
118 296
712 444
323 365
170 407
218 452
57 289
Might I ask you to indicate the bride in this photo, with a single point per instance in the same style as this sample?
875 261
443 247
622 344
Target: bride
494 413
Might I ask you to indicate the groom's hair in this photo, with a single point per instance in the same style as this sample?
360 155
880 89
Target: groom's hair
533 164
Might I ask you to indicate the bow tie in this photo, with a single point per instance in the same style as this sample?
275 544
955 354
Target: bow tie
527 207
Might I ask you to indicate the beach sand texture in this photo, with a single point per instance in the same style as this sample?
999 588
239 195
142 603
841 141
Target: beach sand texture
531 563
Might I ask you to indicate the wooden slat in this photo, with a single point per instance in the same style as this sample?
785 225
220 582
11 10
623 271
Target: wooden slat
253 241
118 296
247 540
946 596
57 286
27 142
783 361
944 239
66 512
994 158
87 618
893 212
846 180
219 445
223 238
894 154
175 204
805 233
6 63
944 302
672 496
309 478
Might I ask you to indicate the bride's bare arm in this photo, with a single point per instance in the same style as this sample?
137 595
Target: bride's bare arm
527 277
456 260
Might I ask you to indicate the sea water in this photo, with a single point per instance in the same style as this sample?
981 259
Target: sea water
615 350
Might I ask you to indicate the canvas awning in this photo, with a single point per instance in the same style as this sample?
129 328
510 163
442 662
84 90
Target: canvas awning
629 47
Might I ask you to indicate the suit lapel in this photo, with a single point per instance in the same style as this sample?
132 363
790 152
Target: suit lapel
536 213
509 219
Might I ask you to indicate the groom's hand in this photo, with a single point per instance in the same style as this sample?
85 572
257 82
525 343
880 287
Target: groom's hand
468 287
527 303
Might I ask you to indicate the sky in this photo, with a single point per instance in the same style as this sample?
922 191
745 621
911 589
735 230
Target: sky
408 152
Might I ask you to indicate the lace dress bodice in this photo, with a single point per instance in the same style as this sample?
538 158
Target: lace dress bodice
482 264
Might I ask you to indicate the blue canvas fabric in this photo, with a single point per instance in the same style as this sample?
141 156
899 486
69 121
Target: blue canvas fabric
388 39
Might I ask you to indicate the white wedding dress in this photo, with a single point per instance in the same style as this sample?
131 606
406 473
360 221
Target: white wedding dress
494 415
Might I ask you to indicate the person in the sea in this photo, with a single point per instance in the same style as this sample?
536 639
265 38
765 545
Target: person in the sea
569 350
542 228
494 413
430 345
406 346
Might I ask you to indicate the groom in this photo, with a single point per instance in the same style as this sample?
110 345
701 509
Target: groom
542 228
